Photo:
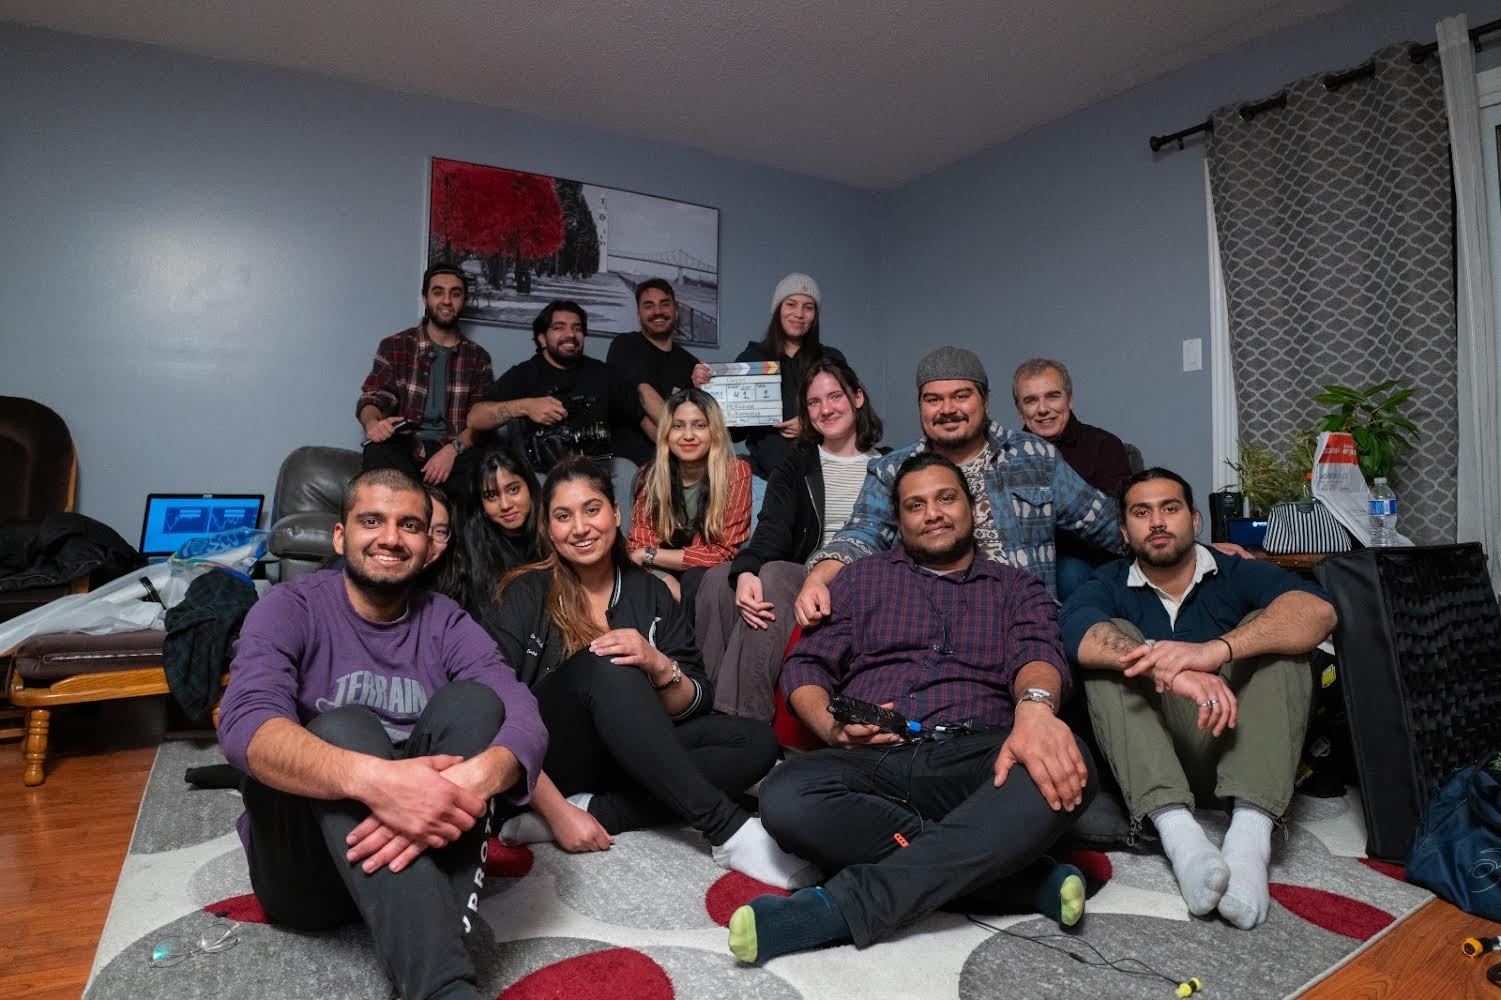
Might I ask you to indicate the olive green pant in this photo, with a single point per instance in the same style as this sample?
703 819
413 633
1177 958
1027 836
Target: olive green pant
1162 758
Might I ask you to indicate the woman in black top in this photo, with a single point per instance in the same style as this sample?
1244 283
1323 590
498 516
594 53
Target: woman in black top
620 685
494 532
792 338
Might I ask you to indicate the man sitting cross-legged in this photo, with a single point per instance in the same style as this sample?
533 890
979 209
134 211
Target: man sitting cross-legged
942 634
1198 687
375 721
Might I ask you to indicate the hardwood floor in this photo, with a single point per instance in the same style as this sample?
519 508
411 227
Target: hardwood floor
62 846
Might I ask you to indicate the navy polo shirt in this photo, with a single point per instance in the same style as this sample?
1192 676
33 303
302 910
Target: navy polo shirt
1210 609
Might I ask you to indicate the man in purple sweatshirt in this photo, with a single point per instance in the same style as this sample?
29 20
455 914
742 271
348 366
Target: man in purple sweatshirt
375 722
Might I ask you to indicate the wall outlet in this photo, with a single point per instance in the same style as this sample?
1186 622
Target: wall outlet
1193 355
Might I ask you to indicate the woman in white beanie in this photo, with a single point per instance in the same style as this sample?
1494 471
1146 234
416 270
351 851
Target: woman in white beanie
791 338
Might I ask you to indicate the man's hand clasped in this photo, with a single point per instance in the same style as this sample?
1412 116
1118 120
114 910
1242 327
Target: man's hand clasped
414 805
1043 744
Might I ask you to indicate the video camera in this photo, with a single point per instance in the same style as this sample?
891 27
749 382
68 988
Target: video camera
579 433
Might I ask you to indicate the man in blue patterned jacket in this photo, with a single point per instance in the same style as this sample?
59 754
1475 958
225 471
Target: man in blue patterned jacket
1023 489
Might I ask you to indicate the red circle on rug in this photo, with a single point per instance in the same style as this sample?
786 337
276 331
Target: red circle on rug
506 862
1386 868
1095 865
1331 911
613 974
244 909
733 890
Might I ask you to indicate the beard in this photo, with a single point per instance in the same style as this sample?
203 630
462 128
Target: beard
379 587
432 320
1164 558
939 554
971 433
563 362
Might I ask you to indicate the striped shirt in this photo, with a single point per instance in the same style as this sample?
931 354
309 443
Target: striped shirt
940 647
843 475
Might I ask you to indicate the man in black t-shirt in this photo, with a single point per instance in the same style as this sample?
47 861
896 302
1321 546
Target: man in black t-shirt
561 387
652 361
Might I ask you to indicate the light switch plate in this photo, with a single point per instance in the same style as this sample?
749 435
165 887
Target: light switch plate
1193 355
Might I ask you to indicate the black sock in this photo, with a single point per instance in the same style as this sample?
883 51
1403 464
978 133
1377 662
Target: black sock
771 926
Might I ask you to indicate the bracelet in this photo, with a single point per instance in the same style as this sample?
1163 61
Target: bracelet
650 558
677 675
1228 647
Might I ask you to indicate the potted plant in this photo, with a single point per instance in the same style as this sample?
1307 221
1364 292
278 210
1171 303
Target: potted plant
1373 416
1267 479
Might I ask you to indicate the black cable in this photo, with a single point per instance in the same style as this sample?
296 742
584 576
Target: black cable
1118 965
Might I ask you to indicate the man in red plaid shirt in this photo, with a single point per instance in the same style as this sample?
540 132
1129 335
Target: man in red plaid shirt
415 401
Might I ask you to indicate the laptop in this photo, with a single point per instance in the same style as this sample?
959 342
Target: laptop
174 518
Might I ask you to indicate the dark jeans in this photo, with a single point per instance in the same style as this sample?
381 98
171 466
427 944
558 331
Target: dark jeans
397 453
417 917
609 736
843 810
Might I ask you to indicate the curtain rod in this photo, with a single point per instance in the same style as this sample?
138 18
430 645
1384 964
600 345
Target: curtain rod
1332 81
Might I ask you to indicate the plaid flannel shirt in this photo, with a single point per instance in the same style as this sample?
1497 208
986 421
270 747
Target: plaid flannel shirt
398 379
1033 492
699 551
939 647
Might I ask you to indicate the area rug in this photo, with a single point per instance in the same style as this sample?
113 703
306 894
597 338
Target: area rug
645 920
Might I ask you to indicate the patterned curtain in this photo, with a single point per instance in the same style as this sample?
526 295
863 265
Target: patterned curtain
1336 237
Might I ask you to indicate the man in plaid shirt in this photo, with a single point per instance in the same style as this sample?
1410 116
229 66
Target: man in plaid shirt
1024 491
940 633
415 402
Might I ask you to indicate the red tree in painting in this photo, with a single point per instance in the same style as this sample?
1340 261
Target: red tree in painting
501 217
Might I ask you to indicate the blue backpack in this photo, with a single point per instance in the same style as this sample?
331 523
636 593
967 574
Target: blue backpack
1456 853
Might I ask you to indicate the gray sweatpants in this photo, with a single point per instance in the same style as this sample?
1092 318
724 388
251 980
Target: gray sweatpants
743 662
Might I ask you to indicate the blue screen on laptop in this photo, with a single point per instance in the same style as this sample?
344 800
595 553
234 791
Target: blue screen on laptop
172 519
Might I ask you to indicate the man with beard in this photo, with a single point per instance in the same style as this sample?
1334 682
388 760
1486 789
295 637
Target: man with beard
559 384
941 633
374 722
652 361
1023 490
414 402
1198 687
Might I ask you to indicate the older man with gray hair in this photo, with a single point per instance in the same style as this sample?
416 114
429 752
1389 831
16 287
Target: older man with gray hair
1023 489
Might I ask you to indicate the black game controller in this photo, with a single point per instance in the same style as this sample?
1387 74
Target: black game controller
854 712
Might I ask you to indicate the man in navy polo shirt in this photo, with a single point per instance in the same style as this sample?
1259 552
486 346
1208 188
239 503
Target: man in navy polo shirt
1199 689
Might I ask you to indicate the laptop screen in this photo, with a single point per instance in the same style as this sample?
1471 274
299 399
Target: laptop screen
173 518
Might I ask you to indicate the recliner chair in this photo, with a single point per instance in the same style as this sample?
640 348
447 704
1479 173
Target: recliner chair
305 508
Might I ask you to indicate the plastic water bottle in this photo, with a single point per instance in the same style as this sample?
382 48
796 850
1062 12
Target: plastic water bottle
1383 507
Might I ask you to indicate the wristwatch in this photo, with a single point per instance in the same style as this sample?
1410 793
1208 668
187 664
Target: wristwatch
1039 694
458 447
649 559
677 675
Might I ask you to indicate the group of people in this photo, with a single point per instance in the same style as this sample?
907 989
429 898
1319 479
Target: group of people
497 656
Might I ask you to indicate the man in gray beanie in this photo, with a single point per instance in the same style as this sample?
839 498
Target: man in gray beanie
1023 490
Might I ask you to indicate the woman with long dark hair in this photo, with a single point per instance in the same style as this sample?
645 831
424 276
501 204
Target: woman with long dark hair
495 531
793 339
743 613
693 502
610 656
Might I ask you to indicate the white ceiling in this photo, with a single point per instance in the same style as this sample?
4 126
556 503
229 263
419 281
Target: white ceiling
866 92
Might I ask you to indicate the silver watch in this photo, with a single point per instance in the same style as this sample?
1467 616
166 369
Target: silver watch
1039 694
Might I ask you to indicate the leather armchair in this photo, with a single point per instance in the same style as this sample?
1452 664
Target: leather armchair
309 490
41 477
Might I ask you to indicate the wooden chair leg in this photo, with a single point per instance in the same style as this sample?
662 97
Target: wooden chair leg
38 720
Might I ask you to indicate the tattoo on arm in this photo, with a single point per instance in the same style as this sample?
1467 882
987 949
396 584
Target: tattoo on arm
1111 639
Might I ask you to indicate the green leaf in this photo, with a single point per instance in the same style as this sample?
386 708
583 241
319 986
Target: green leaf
1376 390
1395 400
1337 394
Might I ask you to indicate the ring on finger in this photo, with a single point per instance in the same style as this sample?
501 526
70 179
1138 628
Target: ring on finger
1210 703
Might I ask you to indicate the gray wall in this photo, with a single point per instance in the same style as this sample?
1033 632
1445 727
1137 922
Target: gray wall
200 256
1077 242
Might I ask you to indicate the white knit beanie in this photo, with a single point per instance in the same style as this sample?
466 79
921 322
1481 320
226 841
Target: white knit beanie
794 284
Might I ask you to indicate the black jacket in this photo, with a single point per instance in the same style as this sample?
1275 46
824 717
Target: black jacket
530 643
59 548
790 525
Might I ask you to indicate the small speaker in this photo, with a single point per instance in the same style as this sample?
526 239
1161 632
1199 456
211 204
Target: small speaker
1223 506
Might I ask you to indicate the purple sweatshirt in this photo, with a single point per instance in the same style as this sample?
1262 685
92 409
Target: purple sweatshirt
304 650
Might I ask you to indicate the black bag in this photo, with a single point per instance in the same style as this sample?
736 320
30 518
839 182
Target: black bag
1456 854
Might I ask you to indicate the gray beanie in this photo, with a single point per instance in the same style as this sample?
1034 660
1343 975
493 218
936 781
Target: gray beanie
952 363
794 284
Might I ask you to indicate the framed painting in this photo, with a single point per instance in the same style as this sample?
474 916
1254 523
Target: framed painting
525 239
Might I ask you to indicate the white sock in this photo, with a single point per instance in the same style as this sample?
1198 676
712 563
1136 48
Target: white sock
530 828
1201 873
751 851
1247 851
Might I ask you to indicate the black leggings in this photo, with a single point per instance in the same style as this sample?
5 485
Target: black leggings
608 735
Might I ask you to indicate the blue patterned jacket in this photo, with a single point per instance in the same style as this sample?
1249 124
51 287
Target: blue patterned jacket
1033 491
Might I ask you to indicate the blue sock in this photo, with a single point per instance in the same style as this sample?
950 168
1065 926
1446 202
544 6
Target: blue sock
1060 895
771 926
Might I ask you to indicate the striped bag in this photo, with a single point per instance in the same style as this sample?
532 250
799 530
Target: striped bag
1304 526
